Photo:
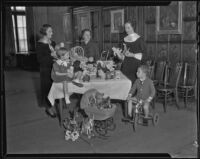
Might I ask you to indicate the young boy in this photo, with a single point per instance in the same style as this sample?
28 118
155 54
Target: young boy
144 89
63 71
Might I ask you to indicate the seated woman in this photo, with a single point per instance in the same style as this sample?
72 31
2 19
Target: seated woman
91 50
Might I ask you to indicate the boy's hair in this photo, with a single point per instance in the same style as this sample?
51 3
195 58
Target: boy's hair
60 51
145 69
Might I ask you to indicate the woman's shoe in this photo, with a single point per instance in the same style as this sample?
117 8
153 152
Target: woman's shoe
50 113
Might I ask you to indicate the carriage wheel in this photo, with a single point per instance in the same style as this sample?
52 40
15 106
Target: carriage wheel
155 119
110 124
100 128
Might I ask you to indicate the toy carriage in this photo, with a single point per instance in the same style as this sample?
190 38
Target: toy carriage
101 109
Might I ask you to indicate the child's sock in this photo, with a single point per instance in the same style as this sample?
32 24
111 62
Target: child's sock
67 99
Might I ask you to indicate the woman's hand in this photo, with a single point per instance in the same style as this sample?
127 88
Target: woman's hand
129 96
128 54
53 54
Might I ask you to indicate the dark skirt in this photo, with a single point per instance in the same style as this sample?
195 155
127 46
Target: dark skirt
45 85
129 68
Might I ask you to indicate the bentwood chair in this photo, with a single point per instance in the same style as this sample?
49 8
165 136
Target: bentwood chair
170 88
159 68
187 86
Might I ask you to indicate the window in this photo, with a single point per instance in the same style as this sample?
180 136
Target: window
20 30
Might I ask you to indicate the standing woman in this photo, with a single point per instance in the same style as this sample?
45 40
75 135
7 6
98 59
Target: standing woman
45 52
90 47
133 52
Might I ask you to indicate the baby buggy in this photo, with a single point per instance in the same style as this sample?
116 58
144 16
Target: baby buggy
103 116
138 114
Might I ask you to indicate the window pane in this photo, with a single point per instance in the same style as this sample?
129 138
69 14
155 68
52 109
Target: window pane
19 21
22 45
24 21
26 45
21 33
20 8
12 8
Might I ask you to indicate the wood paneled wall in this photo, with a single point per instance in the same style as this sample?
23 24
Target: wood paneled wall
172 47
52 16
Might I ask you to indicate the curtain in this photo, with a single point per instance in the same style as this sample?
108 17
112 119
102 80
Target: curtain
9 39
30 29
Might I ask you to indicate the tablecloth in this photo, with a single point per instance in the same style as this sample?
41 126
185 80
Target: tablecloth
115 88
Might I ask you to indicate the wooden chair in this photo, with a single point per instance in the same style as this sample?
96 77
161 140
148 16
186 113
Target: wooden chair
187 87
170 87
159 68
151 70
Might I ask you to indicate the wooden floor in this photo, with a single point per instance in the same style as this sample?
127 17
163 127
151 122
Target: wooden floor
29 130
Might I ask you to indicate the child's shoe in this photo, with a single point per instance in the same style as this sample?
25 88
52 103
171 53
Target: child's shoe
145 121
77 83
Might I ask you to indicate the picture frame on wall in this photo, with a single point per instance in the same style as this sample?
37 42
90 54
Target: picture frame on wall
117 21
169 18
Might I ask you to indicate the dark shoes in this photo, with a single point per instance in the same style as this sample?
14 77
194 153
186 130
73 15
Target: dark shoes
145 122
50 112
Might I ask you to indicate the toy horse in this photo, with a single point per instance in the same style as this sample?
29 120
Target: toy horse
87 126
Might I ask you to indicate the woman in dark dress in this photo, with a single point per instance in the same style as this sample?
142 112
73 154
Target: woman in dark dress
45 52
91 50
134 50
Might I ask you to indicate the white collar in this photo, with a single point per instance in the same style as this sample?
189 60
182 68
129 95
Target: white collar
131 38
60 62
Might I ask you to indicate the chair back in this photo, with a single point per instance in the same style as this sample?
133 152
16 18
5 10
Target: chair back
159 70
151 71
77 50
104 55
191 75
182 81
174 75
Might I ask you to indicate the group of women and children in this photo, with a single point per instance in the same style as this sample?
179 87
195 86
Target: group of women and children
56 66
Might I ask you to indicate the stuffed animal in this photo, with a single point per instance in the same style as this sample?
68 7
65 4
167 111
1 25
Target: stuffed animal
104 104
87 126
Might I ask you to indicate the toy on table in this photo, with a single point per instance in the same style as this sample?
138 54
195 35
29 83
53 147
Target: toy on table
105 69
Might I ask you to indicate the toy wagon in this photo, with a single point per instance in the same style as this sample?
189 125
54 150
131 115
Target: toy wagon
103 117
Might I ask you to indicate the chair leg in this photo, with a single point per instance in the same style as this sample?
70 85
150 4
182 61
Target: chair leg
125 109
185 98
60 109
177 100
164 104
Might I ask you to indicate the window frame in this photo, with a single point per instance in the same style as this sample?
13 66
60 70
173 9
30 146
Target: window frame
16 13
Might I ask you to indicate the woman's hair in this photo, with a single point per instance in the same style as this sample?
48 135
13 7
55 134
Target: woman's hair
61 51
145 69
131 23
43 29
84 30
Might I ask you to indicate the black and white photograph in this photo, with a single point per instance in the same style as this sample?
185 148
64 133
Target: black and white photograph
101 79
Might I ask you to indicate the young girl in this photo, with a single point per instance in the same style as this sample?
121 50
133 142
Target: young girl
63 71
145 91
